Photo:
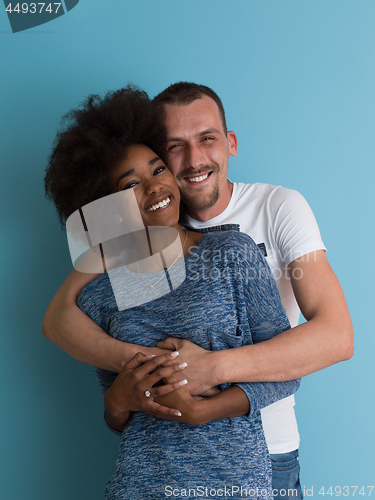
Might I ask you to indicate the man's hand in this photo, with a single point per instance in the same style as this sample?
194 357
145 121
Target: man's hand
200 365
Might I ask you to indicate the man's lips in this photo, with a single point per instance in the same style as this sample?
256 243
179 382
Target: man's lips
159 205
197 178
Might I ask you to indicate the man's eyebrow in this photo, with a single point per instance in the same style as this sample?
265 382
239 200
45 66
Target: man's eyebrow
199 134
131 171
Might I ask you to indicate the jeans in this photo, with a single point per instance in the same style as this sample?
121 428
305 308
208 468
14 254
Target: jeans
285 476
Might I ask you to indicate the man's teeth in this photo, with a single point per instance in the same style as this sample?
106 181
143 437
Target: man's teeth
198 179
161 204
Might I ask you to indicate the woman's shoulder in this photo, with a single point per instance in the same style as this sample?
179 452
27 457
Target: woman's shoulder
97 290
228 246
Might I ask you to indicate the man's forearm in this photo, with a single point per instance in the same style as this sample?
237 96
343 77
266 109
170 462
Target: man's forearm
290 355
74 332
325 339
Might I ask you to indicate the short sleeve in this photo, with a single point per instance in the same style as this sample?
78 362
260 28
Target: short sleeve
295 229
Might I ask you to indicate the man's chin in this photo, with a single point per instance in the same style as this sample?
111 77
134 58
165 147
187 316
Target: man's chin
200 202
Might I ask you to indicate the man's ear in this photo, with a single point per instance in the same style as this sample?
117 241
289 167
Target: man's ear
232 139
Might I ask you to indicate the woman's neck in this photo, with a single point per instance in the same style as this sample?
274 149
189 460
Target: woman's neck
157 248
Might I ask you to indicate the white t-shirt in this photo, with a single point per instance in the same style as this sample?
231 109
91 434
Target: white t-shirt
282 224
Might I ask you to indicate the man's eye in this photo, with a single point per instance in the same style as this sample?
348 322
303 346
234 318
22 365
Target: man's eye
174 146
208 139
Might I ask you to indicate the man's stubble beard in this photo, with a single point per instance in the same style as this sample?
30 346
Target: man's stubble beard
198 203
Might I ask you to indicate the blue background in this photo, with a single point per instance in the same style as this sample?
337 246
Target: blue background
297 79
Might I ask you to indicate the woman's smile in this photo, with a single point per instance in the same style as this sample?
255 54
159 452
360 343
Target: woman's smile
160 205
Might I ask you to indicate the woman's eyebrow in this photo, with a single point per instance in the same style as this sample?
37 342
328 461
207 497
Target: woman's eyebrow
154 160
129 172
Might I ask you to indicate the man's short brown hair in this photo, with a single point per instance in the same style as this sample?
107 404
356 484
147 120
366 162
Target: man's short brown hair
184 93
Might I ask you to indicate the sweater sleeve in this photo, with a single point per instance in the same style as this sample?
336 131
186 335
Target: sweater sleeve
262 394
267 318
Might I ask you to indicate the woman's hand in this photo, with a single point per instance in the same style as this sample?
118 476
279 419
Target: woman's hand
193 409
133 389
233 402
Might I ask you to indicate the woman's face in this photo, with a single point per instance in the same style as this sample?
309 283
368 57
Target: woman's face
154 186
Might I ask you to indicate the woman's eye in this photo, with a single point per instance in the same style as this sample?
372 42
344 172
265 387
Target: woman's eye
129 185
159 170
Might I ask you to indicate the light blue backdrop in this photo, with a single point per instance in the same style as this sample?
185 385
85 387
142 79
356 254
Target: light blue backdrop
297 79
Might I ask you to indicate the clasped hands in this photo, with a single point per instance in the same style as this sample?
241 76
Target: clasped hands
157 385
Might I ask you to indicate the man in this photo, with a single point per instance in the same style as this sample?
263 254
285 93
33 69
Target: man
281 223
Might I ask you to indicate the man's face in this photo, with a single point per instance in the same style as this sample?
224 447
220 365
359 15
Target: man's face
198 151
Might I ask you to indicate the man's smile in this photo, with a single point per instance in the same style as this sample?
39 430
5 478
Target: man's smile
198 178
195 178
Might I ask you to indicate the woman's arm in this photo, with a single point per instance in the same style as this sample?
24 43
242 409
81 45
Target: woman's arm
233 402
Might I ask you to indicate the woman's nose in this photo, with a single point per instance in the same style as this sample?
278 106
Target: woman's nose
153 186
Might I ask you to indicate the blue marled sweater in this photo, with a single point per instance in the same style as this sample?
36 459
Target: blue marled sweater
227 299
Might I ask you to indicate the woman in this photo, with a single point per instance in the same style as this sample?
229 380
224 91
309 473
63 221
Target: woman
214 289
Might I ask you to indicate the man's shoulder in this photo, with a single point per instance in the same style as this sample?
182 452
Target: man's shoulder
265 199
262 190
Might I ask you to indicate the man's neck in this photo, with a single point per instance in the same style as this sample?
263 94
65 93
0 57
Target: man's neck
216 209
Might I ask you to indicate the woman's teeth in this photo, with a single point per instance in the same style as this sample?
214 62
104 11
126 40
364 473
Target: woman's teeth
161 204
198 179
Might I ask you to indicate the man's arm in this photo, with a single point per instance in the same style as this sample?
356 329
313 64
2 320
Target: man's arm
74 332
325 339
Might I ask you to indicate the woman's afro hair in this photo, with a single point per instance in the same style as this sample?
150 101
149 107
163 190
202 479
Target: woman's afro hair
92 140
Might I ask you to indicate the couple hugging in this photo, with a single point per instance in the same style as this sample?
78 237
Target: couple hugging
197 355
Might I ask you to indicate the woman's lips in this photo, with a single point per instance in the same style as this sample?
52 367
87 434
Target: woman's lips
161 204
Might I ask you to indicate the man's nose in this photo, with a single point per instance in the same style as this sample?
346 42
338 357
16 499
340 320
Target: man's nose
194 157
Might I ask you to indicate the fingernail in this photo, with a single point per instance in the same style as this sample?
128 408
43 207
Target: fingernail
175 354
183 382
178 414
150 355
183 365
